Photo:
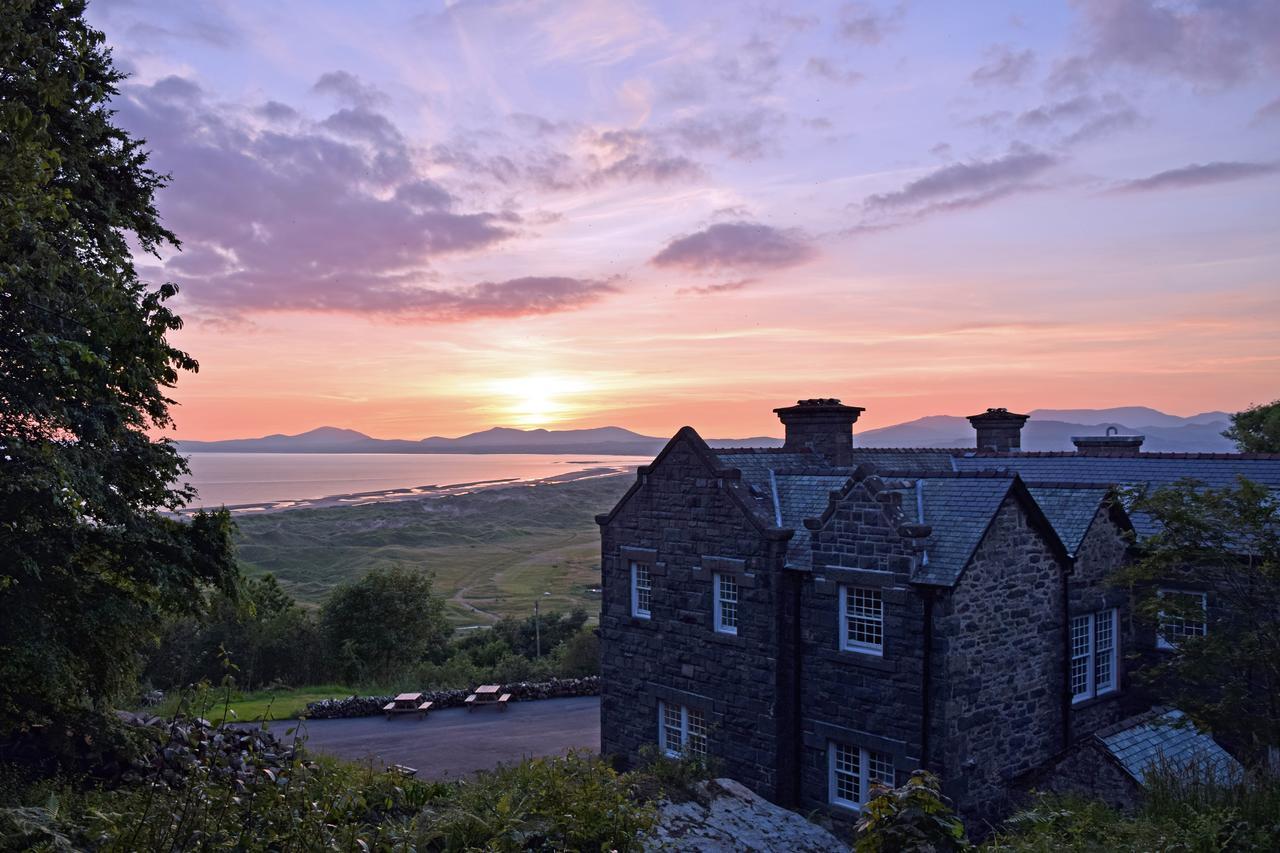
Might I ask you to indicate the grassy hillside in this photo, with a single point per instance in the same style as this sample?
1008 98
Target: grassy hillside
493 551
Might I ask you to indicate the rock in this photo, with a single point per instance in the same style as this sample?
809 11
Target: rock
737 819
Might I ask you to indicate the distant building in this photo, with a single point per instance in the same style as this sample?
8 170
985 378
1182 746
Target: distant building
820 617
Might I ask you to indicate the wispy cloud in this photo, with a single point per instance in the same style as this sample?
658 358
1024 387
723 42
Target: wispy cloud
1004 66
736 246
968 184
1198 175
713 289
1202 40
867 24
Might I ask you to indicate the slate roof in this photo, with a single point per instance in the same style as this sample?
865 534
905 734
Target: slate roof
918 460
959 509
962 489
1070 509
1155 469
1165 736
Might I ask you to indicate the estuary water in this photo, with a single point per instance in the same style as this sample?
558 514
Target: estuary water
279 480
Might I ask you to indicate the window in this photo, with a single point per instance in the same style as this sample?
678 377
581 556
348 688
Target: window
853 772
861 620
726 604
682 731
641 590
1094 654
1187 621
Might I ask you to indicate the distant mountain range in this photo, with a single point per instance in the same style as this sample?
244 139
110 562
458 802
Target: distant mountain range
1048 429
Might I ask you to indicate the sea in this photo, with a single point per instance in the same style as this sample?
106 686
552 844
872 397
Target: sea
264 481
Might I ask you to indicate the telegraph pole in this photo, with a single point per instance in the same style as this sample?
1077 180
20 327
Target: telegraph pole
537 631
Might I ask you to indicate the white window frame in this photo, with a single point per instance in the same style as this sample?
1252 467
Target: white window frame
636 610
1089 654
1161 641
726 619
691 728
846 642
867 760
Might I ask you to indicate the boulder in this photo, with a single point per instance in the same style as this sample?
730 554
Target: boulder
725 815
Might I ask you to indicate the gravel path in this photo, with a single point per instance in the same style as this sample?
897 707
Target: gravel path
457 742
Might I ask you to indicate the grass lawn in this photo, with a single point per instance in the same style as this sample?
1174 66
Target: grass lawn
493 552
256 705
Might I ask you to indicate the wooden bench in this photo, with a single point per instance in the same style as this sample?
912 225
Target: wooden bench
407 703
487 694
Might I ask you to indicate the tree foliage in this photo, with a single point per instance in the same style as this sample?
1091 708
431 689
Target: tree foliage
1256 429
383 622
1226 541
89 562
915 816
263 633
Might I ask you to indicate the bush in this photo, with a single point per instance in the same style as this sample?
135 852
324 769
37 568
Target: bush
572 803
1185 809
272 797
914 816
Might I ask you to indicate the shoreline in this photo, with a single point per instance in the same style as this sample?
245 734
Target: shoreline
409 493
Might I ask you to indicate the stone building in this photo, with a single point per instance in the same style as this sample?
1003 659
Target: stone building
821 617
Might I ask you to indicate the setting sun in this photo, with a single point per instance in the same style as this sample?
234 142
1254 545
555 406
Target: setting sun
533 401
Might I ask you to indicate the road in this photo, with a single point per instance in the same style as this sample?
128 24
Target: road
456 742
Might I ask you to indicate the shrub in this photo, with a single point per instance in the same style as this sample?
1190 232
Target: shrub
914 816
576 802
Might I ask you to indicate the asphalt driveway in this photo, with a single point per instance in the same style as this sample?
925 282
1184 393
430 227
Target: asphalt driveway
457 742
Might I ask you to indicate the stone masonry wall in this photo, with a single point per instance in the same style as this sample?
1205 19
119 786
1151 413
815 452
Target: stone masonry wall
1002 683
1104 550
851 697
685 523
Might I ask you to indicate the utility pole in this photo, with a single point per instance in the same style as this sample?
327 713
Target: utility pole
537 631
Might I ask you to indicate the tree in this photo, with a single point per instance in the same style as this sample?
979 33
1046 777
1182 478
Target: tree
383 622
580 655
1228 541
263 633
90 562
1256 429
549 630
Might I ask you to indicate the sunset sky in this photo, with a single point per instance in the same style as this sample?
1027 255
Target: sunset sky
429 218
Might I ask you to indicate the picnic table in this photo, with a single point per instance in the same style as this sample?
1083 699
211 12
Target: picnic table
488 694
407 703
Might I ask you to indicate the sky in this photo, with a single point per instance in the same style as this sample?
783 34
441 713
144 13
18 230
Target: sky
430 218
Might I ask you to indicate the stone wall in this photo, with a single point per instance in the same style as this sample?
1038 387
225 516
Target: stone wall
1104 550
851 697
522 691
1003 669
683 521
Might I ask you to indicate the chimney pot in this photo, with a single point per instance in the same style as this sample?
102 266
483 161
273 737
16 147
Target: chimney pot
999 429
823 425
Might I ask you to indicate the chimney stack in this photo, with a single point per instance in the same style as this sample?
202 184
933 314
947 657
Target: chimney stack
1112 444
823 426
999 429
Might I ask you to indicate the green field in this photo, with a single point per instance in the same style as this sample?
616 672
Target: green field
285 703
493 552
